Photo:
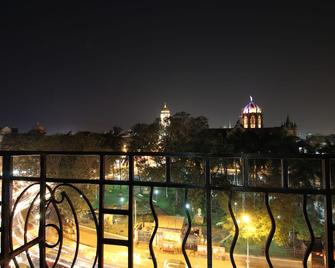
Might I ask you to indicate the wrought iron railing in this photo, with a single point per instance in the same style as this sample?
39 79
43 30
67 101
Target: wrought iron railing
43 192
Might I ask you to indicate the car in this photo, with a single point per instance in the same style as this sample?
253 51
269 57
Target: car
173 263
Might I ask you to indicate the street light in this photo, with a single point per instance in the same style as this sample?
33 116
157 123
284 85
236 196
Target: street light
246 220
156 192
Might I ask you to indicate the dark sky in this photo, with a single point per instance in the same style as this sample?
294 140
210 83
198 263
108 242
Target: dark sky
90 66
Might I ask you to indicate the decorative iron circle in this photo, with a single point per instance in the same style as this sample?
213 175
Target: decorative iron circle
59 235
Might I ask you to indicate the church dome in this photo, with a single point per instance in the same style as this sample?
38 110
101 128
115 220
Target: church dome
251 108
252 116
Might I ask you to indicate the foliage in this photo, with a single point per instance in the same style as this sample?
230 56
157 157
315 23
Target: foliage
183 133
288 215
145 137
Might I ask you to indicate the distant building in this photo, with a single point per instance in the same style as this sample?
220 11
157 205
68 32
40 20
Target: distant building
250 119
251 116
38 129
165 116
320 143
6 131
164 122
290 126
252 135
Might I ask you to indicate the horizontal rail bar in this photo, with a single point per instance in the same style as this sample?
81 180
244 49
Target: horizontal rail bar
114 153
273 190
83 181
115 211
173 154
22 178
116 242
279 189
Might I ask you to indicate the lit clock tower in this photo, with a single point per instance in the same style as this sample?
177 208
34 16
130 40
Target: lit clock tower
165 116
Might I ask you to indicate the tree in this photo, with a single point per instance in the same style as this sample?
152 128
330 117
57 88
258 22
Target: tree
183 133
114 139
145 137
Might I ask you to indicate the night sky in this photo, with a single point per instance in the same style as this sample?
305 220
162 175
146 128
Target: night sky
91 66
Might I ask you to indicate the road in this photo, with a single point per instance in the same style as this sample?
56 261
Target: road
201 261
116 256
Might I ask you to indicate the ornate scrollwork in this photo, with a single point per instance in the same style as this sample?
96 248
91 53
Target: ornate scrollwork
24 224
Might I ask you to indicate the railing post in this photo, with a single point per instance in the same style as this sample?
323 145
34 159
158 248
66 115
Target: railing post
6 207
42 235
328 215
100 231
208 212
130 217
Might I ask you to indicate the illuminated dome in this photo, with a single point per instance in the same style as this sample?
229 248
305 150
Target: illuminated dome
251 108
252 116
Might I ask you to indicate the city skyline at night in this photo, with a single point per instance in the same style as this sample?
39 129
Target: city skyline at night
161 134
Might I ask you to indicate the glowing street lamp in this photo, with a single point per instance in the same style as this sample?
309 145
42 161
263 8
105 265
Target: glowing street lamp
156 192
246 220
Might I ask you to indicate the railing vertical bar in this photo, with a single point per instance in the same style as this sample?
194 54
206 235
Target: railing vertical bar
208 212
233 243
284 173
5 210
310 230
100 231
188 230
130 217
272 231
43 174
328 214
152 253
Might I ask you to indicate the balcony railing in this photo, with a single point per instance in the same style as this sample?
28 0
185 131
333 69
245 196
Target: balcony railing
108 209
